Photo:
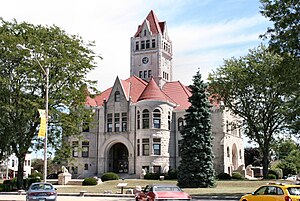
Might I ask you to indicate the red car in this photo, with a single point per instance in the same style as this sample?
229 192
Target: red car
162 192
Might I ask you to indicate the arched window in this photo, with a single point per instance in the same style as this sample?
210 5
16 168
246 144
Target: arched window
156 118
138 120
180 124
145 119
117 96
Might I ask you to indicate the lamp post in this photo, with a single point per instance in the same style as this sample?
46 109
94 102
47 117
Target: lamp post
46 73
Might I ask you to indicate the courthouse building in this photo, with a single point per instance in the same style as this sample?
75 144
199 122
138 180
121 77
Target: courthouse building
138 120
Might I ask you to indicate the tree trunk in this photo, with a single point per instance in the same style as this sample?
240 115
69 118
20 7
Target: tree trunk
20 175
265 163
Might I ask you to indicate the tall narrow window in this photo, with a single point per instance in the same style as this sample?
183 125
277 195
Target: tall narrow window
153 43
156 146
138 147
156 118
137 45
141 74
86 166
109 122
117 122
147 44
228 152
138 120
124 121
142 44
117 96
180 124
145 32
75 148
85 127
149 74
85 149
145 74
169 120
145 119
145 145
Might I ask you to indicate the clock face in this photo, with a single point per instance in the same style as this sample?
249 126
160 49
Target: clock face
145 60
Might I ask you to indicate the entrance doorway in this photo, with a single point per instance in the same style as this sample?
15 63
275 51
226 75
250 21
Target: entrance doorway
118 158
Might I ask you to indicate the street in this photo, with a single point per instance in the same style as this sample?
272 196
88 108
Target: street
77 198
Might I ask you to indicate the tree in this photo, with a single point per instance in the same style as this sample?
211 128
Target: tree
284 39
251 88
284 147
196 165
291 164
252 156
22 85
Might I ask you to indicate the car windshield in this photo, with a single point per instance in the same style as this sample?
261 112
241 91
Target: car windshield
294 190
41 187
166 188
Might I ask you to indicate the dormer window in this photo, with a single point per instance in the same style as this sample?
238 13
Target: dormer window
117 96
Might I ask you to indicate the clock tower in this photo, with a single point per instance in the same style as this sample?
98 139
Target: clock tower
151 51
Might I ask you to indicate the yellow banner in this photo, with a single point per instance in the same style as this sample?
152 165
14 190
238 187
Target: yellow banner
42 131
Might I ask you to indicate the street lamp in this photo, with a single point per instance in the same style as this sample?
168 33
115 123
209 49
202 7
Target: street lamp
46 73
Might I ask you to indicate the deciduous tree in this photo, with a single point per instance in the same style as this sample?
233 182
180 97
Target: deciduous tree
22 84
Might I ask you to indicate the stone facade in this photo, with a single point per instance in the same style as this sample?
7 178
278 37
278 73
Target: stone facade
138 121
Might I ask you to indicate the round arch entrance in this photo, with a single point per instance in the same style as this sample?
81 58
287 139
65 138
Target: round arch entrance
118 158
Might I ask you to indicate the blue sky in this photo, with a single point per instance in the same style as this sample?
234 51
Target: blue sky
203 32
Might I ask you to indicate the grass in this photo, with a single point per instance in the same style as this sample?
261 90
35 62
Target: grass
222 188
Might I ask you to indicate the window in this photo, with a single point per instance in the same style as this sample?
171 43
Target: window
124 121
142 45
169 120
12 163
153 43
228 152
147 44
138 119
156 146
86 166
85 127
146 168
149 74
156 169
180 124
137 45
240 153
117 122
109 122
145 119
117 96
145 74
138 147
75 148
156 118
145 33
145 142
140 74
85 149
74 170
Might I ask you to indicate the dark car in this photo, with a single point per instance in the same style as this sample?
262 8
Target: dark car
163 192
41 191
52 176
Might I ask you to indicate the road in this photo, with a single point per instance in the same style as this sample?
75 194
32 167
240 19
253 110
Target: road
76 198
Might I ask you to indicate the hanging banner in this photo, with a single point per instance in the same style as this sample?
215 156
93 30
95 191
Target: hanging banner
42 131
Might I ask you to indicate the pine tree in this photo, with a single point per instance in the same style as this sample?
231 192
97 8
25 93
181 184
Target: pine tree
196 166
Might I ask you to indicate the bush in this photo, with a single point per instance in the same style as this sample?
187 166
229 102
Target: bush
91 181
172 174
271 176
109 176
237 175
223 176
7 185
152 176
277 172
36 174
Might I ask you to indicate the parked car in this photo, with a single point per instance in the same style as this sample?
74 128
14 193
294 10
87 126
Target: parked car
41 191
275 191
164 192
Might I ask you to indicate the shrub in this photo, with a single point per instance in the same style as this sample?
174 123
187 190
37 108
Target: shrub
91 181
7 186
152 176
109 176
36 174
223 176
271 176
237 175
172 174
277 172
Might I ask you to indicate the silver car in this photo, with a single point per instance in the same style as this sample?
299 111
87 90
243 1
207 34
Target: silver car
41 192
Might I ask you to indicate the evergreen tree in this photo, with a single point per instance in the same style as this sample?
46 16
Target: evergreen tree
196 166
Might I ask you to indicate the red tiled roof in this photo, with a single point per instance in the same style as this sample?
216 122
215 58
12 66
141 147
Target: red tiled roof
91 102
153 92
137 86
155 26
178 93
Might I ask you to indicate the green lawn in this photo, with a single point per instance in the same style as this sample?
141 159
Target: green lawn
222 188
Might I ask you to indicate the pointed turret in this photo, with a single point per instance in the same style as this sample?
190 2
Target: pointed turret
153 92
